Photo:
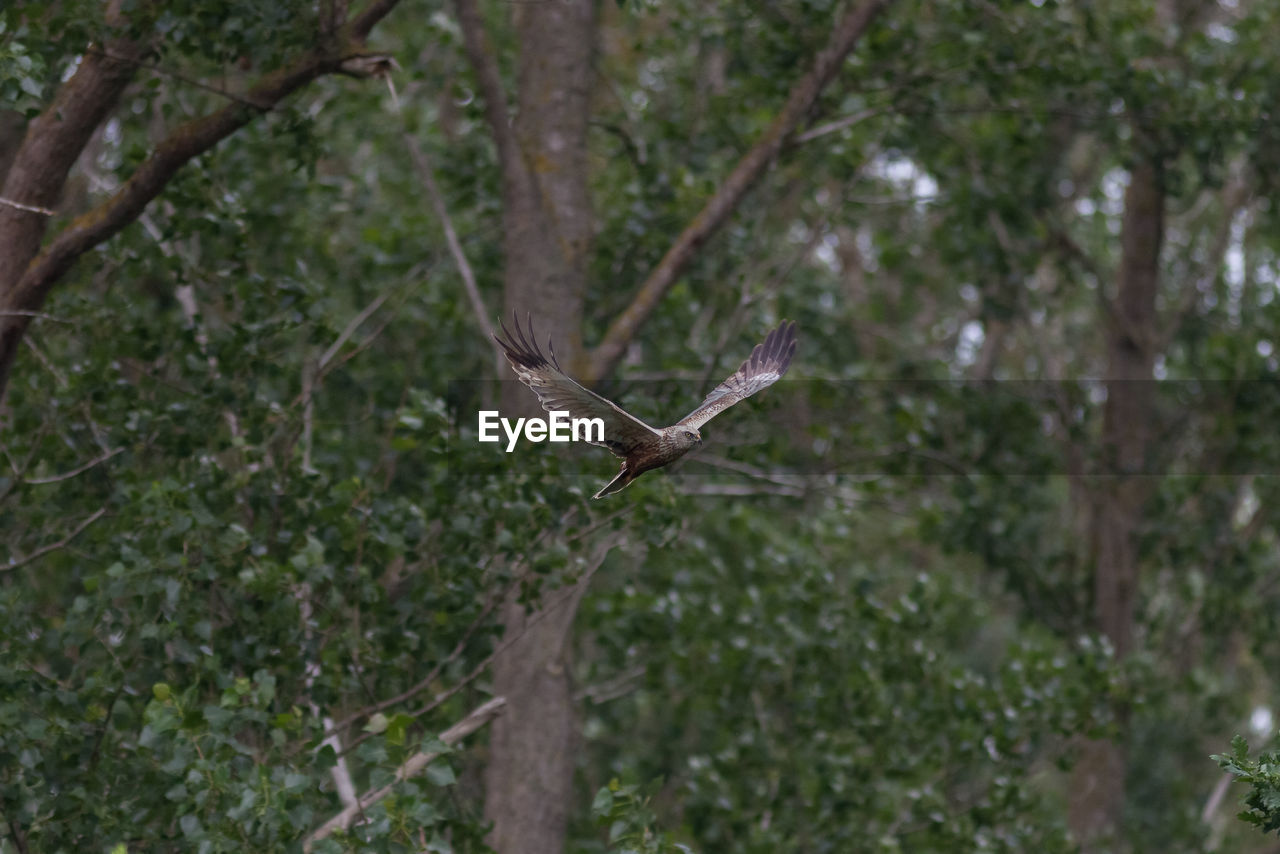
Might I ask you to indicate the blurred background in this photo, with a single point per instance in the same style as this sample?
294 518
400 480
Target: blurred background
994 568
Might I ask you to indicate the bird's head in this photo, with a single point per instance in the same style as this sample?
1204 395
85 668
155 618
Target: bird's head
694 436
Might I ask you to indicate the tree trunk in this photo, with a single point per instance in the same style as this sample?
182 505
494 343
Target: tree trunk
1099 778
548 229
547 219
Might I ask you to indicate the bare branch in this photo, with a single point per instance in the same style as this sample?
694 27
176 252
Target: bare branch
725 200
37 315
340 772
44 550
483 60
839 124
431 677
1235 197
619 685
427 175
189 140
36 209
478 717
350 329
35 179
740 490
38 481
190 81
313 374
569 595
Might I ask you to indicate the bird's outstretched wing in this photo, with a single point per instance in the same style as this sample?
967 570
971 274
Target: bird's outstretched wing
623 432
766 365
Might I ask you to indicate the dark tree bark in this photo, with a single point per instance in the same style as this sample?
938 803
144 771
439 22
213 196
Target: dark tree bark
1098 790
547 235
13 126
55 139
38 171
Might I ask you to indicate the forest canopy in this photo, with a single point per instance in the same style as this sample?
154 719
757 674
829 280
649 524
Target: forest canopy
993 568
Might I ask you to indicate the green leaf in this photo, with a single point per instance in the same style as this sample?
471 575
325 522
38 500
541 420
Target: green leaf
440 774
602 803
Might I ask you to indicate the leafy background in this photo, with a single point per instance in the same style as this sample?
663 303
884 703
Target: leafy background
769 659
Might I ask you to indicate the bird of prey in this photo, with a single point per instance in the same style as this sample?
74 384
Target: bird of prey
641 447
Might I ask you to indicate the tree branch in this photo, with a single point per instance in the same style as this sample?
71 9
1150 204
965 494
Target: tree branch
187 141
1234 198
568 595
837 125
33 184
478 717
36 209
744 176
44 550
483 60
37 481
427 175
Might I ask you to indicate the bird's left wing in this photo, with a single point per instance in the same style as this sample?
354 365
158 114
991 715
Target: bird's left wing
557 391
764 367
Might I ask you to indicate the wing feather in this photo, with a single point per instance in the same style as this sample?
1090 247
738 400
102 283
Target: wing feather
764 367
557 391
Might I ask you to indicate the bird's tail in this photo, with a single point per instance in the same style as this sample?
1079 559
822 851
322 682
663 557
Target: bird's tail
619 483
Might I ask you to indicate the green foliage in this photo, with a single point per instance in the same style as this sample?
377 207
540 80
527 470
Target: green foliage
838 702
890 653
1263 776
624 810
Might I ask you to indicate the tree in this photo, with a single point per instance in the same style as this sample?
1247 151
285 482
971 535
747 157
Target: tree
547 226
261 589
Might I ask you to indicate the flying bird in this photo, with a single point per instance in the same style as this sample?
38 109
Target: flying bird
641 447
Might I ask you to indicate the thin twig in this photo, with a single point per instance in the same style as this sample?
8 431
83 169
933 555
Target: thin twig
339 772
44 550
19 841
426 174
478 717
39 481
264 106
490 602
28 208
39 315
620 684
839 124
313 374
350 329
740 490
480 54
568 594
45 361
426 681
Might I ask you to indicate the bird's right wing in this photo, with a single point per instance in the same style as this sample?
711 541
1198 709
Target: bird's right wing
557 391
